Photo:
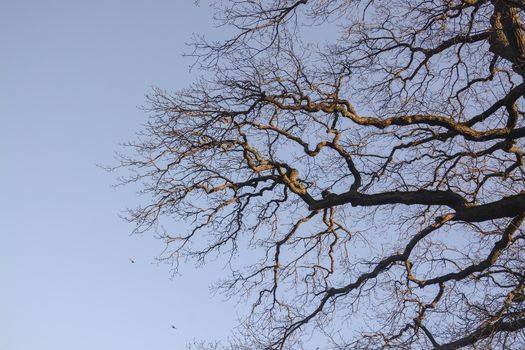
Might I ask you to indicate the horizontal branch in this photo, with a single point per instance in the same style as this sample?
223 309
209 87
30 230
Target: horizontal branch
484 332
465 211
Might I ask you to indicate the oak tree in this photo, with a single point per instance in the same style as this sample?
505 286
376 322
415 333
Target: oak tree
360 166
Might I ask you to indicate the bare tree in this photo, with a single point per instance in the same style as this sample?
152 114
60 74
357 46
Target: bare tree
360 165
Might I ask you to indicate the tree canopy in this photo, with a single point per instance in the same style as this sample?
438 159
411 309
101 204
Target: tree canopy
360 166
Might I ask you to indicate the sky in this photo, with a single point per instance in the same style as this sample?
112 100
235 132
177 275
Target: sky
72 75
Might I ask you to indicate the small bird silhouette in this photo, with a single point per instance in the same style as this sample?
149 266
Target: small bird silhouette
131 260
172 326
326 193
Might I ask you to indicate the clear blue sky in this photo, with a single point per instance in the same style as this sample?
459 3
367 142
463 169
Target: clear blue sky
72 74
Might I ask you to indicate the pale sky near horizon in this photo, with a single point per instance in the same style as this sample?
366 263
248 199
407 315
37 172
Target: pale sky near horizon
72 74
